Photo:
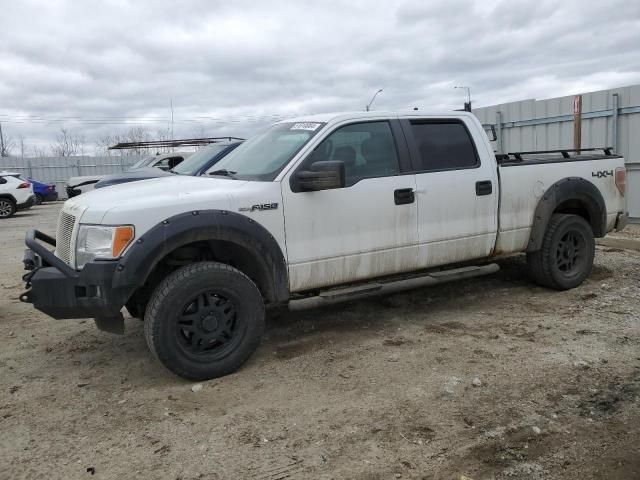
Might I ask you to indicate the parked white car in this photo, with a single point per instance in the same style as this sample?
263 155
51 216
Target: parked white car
316 210
166 161
15 194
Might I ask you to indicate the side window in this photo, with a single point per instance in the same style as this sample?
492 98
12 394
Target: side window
167 163
443 146
174 161
367 150
164 163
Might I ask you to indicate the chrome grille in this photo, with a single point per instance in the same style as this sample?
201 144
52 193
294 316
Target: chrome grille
64 234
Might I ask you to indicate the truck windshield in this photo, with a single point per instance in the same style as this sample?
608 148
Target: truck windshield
195 162
265 154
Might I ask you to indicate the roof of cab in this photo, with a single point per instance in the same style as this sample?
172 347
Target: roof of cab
335 117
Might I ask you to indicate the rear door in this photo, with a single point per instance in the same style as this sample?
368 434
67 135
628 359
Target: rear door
457 193
366 229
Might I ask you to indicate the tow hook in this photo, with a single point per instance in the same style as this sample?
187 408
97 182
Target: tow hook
26 297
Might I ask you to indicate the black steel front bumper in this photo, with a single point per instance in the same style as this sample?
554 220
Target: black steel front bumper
54 288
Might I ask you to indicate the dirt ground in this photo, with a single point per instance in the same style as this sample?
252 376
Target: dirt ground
382 388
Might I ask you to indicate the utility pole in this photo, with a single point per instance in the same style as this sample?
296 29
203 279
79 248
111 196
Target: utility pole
577 123
467 106
172 137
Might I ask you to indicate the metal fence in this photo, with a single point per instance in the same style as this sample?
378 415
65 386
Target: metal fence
609 118
59 169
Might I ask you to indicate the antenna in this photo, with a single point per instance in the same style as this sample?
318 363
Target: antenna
372 99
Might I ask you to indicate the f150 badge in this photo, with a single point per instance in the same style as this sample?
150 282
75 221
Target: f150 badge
260 207
602 174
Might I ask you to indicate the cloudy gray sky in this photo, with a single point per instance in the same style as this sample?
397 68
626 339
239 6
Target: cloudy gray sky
230 67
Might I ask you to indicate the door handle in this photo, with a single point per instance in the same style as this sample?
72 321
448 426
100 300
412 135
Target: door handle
484 187
404 196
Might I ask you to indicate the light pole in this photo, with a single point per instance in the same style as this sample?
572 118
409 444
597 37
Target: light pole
372 99
468 89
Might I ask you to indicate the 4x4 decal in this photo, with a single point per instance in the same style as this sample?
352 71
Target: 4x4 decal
602 174
260 207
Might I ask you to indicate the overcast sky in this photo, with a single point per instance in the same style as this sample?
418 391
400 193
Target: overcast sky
232 66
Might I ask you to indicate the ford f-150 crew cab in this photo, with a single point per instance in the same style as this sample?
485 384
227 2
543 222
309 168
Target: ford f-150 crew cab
317 209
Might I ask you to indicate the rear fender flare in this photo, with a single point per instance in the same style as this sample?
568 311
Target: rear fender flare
571 188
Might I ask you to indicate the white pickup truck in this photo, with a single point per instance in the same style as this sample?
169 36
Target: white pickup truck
318 209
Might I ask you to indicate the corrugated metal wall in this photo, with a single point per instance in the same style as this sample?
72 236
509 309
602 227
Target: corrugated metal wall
59 169
548 124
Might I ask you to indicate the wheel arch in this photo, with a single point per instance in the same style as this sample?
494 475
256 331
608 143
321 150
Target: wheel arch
219 235
573 195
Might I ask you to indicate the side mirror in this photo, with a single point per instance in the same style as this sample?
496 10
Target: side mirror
323 175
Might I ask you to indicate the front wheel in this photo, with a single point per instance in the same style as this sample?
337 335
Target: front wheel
566 257
204 320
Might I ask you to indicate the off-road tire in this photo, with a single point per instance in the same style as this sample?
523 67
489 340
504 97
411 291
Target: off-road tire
191 353
566 257
7 207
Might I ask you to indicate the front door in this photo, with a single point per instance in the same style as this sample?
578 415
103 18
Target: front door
364 230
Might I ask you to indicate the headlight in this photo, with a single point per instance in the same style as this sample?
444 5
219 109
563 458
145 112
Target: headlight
98 241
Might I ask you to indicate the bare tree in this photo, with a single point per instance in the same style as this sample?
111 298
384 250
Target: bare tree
136 134
66 144
164 134
103 143
39 152
22 145
133 134
7 144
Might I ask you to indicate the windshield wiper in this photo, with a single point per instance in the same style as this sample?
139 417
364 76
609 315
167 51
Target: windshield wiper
224 173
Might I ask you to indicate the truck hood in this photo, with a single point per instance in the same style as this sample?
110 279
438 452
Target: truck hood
147 203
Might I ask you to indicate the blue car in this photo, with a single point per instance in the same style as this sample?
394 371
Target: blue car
44 192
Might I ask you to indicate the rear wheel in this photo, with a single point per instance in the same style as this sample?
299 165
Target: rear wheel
566 257
204 320
39 199
7 207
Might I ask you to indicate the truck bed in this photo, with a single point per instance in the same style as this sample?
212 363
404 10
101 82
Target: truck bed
522 188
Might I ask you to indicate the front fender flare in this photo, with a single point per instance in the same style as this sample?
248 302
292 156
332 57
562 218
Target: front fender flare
206 225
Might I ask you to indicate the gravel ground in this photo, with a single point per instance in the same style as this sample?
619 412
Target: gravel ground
488 378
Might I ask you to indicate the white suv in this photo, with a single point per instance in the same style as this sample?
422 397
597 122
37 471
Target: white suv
15 194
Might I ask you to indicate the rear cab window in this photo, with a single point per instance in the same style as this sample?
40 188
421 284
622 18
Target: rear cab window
440 144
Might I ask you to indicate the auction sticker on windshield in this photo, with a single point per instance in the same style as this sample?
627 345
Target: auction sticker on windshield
305 126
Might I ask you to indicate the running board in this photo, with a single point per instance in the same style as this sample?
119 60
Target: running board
338 295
